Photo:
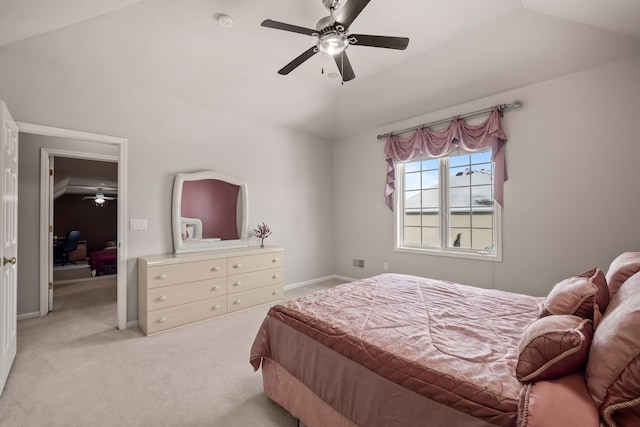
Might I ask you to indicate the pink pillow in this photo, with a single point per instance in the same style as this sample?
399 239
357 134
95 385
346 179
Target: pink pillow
553 347
613 369
624 266
585 295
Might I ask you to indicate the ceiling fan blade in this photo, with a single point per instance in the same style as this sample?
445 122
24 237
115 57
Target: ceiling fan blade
288 27
400 43
299 60
350 11
344 65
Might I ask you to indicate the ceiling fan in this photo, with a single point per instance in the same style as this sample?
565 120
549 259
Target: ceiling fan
333 36
99 198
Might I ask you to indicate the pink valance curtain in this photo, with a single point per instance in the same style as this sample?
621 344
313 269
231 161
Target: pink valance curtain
425 142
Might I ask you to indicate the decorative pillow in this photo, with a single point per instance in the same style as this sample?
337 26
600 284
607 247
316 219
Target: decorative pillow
613 369
624 266
585 295
553 347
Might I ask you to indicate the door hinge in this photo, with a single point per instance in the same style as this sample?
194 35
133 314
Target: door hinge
50 285
51 229
50 172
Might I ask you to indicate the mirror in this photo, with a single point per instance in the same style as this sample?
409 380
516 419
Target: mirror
209 211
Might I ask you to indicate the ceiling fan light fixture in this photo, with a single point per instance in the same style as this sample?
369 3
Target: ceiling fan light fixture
332 43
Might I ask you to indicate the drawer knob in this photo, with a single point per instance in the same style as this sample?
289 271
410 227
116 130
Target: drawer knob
216 268
216 307
275 276
275 260
163 319
275 292
238 265
163 276
238 301
238 283
216 288
163 298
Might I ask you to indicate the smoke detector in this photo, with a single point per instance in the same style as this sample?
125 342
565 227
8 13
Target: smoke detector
225 21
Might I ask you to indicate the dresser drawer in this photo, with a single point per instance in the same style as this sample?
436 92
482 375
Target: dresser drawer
249 263
246 299
171 274
247 281
167 296
165 318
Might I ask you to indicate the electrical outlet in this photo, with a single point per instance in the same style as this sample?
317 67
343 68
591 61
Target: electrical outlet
385 266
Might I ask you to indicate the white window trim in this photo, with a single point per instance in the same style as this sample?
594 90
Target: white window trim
443 250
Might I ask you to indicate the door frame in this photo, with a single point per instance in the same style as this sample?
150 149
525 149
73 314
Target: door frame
45 205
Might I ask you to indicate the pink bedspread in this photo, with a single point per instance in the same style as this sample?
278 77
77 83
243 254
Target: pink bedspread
454 344
104 262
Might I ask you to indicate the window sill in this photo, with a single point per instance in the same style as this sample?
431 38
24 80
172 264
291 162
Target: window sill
451 254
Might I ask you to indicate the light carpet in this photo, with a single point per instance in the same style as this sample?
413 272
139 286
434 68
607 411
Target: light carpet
73 368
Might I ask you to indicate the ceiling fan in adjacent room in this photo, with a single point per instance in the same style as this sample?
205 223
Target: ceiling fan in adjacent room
333 36
99 198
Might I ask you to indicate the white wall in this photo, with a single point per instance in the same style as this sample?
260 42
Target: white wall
571 200
289 174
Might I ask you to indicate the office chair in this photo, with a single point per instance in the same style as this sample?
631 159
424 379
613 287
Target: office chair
70 244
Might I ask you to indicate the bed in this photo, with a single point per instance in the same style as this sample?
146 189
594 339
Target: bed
399 350
104 262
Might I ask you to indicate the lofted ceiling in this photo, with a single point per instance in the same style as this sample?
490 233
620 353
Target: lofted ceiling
84 177
460 50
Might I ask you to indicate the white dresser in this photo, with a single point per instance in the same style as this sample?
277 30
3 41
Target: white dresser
178 289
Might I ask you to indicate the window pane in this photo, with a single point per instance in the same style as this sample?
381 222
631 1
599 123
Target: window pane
431 198
430 164
482 239
431 236
412 181
412 199
482 219
481 175
482 157
462 160
460 238
460 218
412 167
412 217
412 235
460 197
431 218
482 195
459 177
430 179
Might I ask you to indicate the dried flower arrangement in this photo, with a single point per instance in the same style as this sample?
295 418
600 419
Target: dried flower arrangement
262 232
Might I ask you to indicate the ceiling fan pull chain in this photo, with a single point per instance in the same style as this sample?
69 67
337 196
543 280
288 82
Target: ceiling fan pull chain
322 55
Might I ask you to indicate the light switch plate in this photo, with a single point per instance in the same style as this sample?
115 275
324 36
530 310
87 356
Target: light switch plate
137 224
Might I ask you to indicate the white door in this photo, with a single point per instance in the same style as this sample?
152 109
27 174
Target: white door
50 239
8 242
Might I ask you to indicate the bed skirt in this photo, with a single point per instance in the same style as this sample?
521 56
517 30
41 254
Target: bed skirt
410 409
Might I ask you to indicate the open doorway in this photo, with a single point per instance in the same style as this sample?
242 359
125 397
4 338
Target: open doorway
85 226
76 144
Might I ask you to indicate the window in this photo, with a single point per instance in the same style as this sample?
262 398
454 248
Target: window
446 206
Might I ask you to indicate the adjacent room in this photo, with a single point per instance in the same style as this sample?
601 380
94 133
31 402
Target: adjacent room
320 213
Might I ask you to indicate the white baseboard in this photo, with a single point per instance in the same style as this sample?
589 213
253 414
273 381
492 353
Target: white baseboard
314 281
25 316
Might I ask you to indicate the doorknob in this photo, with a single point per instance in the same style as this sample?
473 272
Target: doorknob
6 261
